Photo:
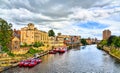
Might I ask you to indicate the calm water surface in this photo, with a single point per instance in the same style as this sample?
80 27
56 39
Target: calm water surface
78 60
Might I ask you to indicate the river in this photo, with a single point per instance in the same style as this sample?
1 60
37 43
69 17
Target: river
87 59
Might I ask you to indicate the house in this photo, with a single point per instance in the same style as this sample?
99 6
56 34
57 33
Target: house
15 43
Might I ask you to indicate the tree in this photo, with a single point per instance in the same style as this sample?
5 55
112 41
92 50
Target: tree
117 43
5 34
111 40
103 42
83 41
51 33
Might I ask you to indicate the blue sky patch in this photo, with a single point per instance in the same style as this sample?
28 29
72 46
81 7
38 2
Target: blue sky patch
92 25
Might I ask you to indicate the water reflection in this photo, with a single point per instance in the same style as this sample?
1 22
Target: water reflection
77 60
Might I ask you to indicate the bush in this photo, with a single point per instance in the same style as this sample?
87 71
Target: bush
5 49
38 44
10 54
33 51
24 45
83 41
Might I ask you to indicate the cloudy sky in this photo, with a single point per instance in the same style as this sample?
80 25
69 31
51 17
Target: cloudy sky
87 18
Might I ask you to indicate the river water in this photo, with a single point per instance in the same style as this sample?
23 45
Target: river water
77 60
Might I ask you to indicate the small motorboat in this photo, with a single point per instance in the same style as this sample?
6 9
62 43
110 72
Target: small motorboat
61 50
52 52
26 64
36 60
56 50
31 64
21 63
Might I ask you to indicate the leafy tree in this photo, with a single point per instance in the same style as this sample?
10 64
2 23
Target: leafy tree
114 41
51 33
103 42
5 34
83 41
111 40
117 42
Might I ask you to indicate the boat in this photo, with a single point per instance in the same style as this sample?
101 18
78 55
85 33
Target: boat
56 50
21 63
61 50
36 60
26 64
31 64
52 52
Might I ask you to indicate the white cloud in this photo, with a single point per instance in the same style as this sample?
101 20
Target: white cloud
62 15
114 26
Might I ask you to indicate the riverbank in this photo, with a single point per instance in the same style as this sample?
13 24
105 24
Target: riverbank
112 51
23 57
10 62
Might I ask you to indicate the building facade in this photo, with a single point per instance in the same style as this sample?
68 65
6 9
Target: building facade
15 44
89 41
106 34
31 34
58 41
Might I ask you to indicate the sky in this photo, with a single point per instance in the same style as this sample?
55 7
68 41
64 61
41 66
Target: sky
87 18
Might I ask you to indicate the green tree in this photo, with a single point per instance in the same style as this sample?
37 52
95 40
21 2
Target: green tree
114 41
111 40
103 42
5 34
51 33
83 41
117 42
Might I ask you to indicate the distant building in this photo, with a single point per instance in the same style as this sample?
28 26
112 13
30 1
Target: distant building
31 34
61 38
72 40
58 41
89 40
106 34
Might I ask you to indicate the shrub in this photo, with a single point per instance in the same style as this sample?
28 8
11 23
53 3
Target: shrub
38 44
33 51
10 54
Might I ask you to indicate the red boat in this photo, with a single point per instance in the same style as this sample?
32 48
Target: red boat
61 50
21 64
31 64
52 52
56 50
38 60
26 64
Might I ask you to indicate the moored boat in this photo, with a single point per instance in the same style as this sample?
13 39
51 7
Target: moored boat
52 52
29 62
26 64
61 50
21 63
